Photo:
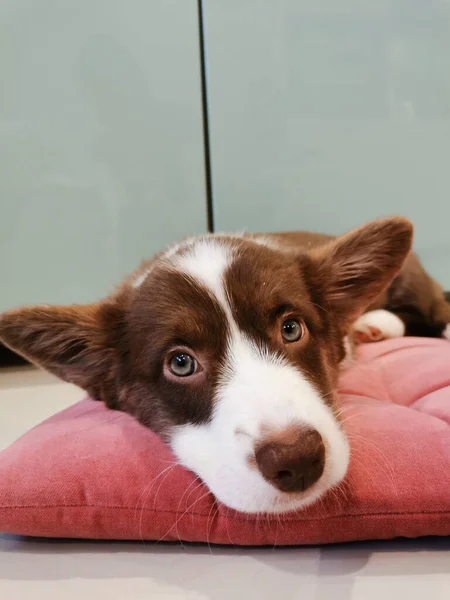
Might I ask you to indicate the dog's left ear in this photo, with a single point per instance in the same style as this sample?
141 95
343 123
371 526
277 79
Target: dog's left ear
78 344
354 269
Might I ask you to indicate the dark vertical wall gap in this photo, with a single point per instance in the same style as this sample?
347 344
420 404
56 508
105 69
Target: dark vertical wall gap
205 117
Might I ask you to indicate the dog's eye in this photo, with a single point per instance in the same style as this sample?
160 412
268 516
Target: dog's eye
291 331
183 365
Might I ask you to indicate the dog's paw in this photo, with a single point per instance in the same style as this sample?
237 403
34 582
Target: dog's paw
378 325
446 332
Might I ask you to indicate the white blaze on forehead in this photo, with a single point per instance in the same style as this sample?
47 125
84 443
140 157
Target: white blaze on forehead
205 258
207 261
193 257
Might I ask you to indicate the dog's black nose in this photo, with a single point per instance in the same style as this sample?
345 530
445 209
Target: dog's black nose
293 460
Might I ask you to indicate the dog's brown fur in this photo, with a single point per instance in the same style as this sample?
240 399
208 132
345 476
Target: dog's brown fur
413 295
113 348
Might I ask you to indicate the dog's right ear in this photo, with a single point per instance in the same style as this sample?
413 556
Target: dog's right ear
352 270
77 343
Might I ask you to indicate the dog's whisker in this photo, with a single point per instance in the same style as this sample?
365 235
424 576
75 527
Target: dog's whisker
146 493
175 525
210 522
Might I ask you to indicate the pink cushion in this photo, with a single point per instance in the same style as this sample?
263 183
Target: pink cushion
93 473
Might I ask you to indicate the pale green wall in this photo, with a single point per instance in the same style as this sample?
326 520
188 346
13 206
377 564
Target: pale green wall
325 114
101 156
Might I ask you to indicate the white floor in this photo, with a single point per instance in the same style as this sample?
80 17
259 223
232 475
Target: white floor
55 570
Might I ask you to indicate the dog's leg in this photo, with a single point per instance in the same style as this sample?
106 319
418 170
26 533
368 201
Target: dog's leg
377 325
414 305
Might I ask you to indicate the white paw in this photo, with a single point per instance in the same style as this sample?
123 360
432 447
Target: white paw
378 325
446 332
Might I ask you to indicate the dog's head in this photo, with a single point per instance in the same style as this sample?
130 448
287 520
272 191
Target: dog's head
229 348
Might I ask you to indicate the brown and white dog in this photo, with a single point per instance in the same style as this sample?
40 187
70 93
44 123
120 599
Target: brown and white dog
229 347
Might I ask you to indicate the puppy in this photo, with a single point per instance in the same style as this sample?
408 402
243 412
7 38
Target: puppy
229 347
